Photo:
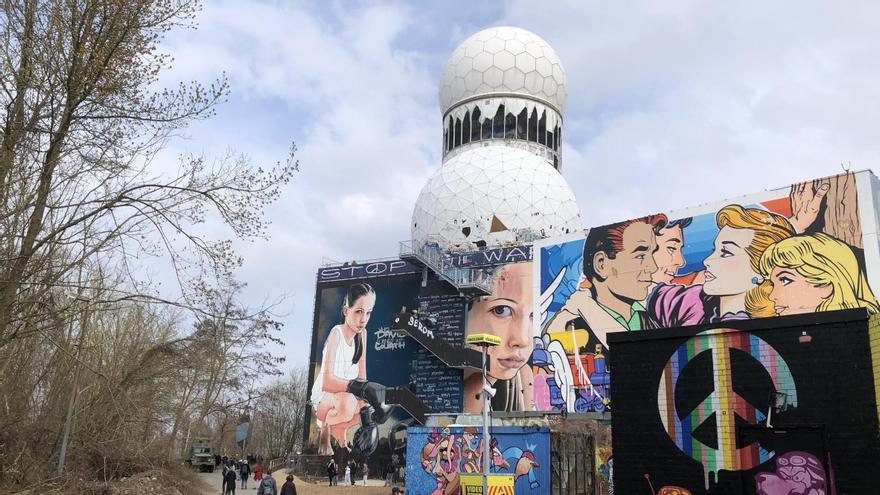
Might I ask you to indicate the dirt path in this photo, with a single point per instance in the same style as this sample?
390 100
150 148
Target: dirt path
374 487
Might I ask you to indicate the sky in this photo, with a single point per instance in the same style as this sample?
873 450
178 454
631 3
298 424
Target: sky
671 104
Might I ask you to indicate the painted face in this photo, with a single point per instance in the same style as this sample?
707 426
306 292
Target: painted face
506 313
729 269
357 316
668 255
629 274
792 294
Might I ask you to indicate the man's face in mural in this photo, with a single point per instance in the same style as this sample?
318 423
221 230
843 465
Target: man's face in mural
506 313
668 255
728 268
629 274
357 316
792 294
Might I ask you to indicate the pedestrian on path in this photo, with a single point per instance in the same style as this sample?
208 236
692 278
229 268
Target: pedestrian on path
229 480
258 473
331 472
244 470
267 486
348 474
288 488
366 473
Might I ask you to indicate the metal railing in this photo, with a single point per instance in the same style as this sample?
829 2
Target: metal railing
463 278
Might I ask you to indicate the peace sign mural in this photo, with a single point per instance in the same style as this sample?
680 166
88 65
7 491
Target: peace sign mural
723 405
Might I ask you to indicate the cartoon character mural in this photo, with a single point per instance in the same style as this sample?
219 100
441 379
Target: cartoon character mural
774 254
354 358
436 456
797 473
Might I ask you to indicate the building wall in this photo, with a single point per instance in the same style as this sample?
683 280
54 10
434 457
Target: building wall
436 455
687 402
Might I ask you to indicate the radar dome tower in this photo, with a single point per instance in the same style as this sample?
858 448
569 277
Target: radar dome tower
502 97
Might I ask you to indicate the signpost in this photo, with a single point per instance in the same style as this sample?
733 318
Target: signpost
485 340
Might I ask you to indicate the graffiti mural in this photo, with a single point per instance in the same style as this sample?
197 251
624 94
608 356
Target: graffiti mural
722 404
507 313
355 358
776 253
751 406
437 456
797 473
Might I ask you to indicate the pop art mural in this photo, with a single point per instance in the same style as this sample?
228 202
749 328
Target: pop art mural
437 456
772 254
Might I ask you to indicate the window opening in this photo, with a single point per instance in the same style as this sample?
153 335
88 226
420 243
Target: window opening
542 128
510 126
498 123
475 124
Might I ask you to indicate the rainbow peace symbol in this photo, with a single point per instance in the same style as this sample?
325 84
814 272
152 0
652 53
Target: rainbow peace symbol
723 402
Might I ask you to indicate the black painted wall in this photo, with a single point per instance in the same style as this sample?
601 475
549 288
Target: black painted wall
835 419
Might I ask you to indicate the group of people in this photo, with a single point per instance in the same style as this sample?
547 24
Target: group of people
239 471
350 473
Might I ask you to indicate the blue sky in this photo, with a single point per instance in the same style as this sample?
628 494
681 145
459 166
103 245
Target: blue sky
671 104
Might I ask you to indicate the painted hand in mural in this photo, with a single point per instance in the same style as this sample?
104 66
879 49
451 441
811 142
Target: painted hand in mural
806 204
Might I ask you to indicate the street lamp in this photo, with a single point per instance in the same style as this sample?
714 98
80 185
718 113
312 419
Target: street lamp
485 340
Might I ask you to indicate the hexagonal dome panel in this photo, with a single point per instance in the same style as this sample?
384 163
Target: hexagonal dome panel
500 49
524 193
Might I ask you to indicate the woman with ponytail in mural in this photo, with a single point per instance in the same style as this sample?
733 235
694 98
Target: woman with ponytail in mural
733 289
341 390
815 272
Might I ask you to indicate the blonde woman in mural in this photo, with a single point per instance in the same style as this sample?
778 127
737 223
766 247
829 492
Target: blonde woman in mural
733 287
344 363
506 313
815 272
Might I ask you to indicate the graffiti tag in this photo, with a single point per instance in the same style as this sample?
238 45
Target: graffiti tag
387 340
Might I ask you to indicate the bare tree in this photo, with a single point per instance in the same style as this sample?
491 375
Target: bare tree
86 340
279 415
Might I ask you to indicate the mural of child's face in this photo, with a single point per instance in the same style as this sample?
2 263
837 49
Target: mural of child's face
629 274
357 316
506 313
728 268
792 294
668 255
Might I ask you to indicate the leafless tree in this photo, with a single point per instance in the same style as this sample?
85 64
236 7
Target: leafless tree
92 354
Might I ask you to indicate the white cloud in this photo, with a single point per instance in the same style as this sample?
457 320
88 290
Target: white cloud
671 104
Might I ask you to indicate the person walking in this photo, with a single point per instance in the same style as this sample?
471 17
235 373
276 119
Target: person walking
267 486
229 482
389 475
366 473
288 488
244 470
348 474
258 473
331 472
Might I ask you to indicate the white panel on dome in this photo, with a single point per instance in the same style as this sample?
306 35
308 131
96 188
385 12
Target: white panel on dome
507 182
489 53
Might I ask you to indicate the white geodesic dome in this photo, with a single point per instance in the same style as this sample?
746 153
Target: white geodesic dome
503 60
492 195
